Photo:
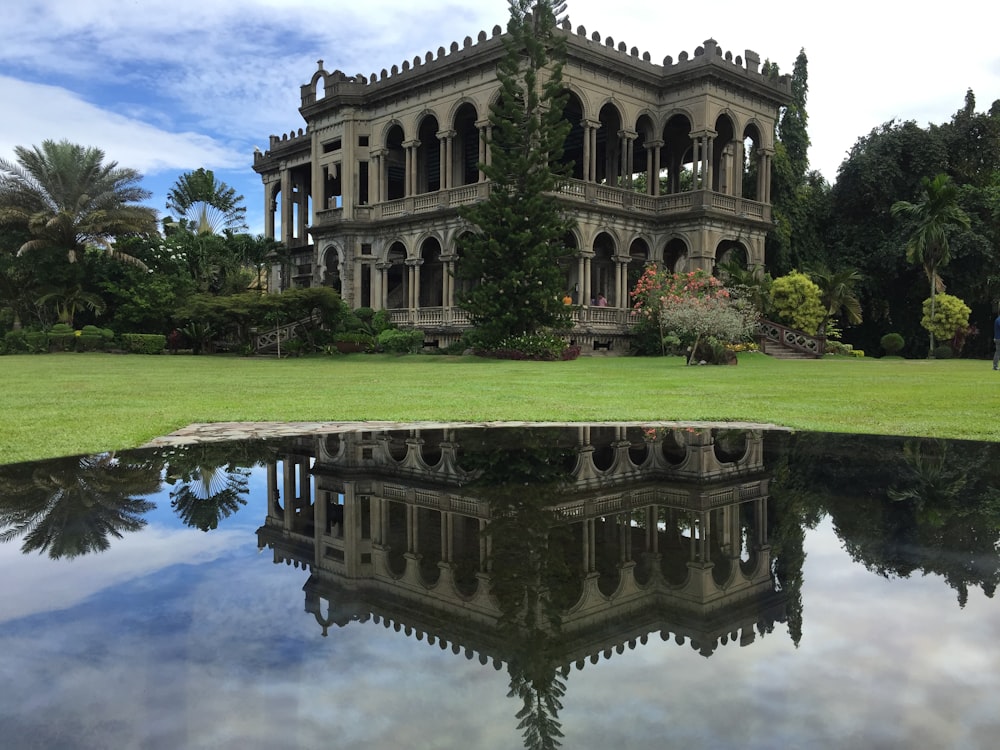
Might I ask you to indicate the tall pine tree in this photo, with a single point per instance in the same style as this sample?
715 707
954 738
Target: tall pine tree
511 260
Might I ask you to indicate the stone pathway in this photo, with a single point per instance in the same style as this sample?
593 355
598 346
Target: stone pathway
212 431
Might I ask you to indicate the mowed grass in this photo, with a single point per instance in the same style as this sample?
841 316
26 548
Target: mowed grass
62 404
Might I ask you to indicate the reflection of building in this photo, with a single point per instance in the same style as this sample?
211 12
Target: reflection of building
671 163
667 534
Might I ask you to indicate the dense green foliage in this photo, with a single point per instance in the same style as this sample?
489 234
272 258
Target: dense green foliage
511 261
798 302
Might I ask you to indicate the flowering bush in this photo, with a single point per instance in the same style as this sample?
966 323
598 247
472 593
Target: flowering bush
693 307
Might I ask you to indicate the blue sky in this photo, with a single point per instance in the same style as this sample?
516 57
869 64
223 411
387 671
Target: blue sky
168 87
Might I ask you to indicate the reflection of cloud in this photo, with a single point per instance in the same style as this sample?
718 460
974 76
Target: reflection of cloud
222 654
46 585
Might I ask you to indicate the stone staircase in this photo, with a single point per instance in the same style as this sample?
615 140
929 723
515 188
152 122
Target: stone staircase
782 342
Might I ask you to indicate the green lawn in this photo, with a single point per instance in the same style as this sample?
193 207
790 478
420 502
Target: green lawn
62 404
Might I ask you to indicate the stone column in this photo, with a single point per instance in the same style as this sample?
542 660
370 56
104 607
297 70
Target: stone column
447 140
653 149
381 286
269 208
287 231
413 282
738 158
485 135
411 167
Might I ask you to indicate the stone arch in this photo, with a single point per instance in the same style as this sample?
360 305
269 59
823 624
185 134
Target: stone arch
753 142
333 269
608 153
640 255
318 84
724 154
602 268
394 169
431 292
466 144
675 254
573 113
677 154
643 162
396 276
729 251
428 161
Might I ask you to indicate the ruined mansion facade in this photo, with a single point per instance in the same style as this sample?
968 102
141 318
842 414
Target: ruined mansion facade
671 164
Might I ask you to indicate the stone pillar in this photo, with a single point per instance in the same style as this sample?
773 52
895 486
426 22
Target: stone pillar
590 128
447 140
411 167
269 208
485 136
653 149
738 157
377 177
413 282
621 280
586 279
626 154
380 299
287 230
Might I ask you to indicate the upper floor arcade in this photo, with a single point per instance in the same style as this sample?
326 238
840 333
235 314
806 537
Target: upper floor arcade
654 142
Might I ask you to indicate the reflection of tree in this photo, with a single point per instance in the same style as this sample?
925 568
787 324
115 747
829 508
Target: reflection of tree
211 481
531 576
907 505
792 509
72 506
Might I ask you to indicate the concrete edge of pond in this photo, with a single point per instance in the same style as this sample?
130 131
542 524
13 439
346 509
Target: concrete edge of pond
200 432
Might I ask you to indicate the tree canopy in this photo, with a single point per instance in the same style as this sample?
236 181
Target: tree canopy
68 198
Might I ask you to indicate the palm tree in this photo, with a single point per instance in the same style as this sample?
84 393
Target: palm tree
206 205
937 210
70 299
837 294
67 197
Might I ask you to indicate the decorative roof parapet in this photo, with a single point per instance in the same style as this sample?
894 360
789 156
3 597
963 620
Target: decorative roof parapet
338 82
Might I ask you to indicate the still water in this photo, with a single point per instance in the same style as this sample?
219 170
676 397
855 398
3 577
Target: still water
584 587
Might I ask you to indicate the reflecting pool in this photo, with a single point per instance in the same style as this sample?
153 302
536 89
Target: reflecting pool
588 586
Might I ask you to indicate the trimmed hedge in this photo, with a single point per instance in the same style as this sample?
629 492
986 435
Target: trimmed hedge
144 343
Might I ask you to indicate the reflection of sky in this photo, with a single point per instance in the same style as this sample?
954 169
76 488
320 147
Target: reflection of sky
194 640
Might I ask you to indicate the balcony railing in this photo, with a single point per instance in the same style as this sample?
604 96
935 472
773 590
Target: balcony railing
573 191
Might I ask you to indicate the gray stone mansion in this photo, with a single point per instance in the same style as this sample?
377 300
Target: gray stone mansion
671 164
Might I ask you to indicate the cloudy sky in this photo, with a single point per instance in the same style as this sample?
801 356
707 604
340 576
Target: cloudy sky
167 87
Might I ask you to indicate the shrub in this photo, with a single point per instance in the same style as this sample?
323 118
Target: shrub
62 338
92 338
400 342
534 346
892 344
15 342
144 343
354 341
943 352
37 342
796 301
950 315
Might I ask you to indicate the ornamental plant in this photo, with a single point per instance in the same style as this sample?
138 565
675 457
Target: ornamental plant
950 316
796 301
694 307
